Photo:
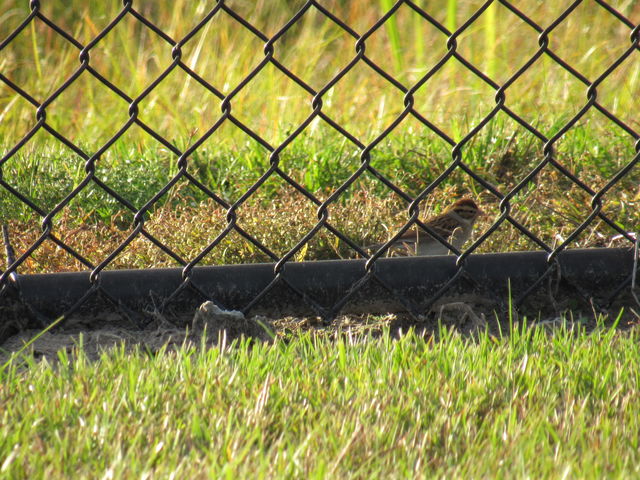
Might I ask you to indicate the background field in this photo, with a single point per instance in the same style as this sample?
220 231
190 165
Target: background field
131 56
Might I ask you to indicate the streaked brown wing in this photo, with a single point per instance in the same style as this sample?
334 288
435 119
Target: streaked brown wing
443 225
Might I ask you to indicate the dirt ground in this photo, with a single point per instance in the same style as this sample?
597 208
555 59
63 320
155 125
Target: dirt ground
211 326
161 334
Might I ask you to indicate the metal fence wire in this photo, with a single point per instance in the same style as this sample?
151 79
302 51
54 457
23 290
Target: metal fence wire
10 280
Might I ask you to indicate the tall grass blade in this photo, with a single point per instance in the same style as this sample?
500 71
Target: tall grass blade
394 35
36 55
419 36
452 14
490 39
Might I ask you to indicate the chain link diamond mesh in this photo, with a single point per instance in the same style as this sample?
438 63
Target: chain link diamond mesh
318 113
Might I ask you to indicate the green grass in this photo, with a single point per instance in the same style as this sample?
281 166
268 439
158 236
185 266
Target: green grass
187 220
533 405
528 405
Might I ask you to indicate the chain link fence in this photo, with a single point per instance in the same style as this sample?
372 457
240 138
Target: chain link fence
368 271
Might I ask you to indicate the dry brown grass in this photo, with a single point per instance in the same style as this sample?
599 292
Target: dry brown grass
188 228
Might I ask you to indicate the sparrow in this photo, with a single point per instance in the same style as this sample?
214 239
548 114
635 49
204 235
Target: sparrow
454 225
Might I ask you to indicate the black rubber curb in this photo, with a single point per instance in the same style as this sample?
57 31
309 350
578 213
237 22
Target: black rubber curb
597 271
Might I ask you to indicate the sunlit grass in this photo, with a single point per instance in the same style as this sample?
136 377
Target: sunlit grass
131 56
187 219
532 405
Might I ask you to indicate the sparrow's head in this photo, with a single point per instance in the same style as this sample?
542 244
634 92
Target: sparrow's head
466 209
